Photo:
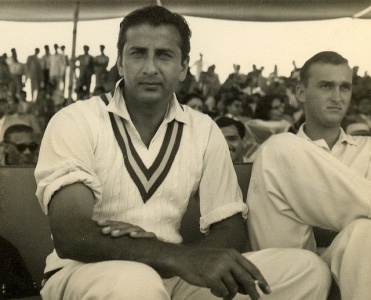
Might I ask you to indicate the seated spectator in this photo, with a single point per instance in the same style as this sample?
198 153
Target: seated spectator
242 147
187 86
363 108
233 108
19 146
16 115
358 129
269 118
194 101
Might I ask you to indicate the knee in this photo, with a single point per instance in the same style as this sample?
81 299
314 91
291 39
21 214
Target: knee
311 271
359 231
124 280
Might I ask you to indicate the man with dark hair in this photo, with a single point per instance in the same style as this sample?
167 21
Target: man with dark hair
234 133
319 178
115 176
19 146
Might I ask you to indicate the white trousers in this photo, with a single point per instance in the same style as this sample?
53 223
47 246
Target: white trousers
293 274
296 185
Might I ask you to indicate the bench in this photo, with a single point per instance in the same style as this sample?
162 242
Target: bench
23 223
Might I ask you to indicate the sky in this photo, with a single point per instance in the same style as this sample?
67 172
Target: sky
221 42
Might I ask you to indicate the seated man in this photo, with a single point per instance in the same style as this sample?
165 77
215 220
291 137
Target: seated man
241 149
320 177
19 146
115 176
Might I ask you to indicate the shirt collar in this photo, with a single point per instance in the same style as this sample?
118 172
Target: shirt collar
343 137
117 105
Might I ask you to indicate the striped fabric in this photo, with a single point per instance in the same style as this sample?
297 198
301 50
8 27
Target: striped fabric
146 179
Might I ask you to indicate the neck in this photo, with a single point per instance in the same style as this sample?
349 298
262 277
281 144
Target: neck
146 118
329 134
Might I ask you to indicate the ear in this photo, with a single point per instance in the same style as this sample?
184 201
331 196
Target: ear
300 93
5 147
184 69
119 66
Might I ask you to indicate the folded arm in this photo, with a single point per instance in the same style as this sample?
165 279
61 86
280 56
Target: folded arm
76 236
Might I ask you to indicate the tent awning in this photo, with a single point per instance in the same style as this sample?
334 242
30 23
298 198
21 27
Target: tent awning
243 10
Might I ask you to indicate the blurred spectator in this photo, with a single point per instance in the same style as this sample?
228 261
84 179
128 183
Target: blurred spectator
100 69
86 66
67 62
358 129
5 76
241 147
269 118
199 65
17 70
13 116
34 72
195 101
364 109
187 86
19 146
57 71
233 109
113 77
45 64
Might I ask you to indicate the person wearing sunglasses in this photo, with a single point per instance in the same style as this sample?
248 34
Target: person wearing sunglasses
19 146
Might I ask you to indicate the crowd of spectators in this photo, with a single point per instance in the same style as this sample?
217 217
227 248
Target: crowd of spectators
263 105
267 105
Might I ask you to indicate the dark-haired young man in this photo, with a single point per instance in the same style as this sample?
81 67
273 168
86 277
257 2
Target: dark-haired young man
19 146
320 177
116 173
234 132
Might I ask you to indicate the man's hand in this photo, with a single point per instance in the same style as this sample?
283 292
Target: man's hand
118 229
224 271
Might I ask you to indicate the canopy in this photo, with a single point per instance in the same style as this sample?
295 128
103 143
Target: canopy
243 10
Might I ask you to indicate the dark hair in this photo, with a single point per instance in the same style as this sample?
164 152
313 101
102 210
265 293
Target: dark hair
325 57
16 129
190 96
264 105
225 122
155 16
230 99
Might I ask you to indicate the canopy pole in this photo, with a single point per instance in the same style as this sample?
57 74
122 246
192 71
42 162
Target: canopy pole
362 13
73 52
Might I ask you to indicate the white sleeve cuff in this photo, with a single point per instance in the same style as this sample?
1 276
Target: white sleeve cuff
221 213
64 174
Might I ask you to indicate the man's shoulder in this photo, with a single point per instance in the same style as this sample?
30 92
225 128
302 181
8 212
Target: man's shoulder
195 117
88 108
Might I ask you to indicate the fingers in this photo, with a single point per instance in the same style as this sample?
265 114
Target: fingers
232 287
119 229
255 274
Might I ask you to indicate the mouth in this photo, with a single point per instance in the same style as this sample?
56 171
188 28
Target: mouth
149 84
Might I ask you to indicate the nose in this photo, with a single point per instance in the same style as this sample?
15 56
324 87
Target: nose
150 67
336 95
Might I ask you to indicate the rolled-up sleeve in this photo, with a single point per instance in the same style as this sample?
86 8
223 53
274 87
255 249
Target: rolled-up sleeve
220 194
66 155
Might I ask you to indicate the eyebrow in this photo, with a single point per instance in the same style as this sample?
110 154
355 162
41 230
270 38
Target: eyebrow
333 83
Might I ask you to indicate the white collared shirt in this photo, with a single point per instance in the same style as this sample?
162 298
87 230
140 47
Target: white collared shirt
353 151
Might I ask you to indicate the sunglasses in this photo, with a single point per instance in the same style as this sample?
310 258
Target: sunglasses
22 147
